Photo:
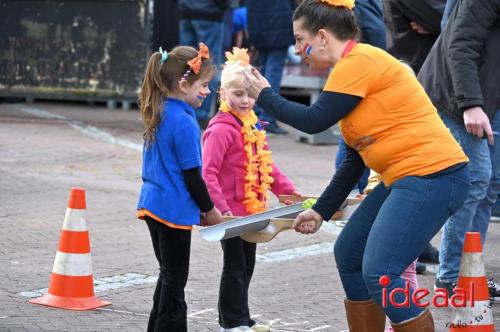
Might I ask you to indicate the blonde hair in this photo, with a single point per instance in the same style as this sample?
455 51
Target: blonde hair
160 78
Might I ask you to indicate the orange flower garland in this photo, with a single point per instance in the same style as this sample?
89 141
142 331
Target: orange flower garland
258 164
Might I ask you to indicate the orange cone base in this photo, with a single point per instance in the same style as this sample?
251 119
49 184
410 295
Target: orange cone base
71 303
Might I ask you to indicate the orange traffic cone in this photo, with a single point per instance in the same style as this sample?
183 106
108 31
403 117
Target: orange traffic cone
476 315
72 283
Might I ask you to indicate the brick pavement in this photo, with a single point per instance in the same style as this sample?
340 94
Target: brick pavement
41 159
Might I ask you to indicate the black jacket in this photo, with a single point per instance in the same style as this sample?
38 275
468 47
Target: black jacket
463 67
407 44
270 23
210 10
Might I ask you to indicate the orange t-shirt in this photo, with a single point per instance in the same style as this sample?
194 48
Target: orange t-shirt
395 128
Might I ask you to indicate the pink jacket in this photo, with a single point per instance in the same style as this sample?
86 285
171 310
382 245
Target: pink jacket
224 169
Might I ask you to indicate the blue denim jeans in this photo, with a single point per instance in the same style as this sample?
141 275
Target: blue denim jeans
484 166
271 64
363 181
390 229
211 33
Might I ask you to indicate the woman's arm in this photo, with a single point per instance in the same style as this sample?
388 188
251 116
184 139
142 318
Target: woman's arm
324 113
343 181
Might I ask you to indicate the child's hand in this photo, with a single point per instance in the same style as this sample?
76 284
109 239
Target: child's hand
212 217
289 202
307 222
228 214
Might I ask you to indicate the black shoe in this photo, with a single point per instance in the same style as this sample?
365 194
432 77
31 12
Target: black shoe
494 289
430 255
420 268
273 128
440 286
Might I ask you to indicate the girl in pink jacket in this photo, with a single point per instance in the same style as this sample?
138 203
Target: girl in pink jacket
239 172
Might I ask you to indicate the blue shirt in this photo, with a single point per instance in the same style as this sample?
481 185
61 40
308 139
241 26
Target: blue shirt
176 148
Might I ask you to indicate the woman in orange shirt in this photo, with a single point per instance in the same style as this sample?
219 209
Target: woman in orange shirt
391 126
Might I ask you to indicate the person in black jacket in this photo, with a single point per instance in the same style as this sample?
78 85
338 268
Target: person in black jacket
413 27
462 77
202 21
270 32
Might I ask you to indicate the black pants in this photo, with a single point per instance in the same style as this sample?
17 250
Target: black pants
239 262
172 249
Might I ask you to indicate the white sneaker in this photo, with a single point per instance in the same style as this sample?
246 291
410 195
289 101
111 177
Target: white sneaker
261 328
237 329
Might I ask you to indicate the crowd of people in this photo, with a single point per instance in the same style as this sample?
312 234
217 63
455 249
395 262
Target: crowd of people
421 109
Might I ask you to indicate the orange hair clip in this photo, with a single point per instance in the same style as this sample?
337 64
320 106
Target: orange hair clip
195 63
349 4
239 56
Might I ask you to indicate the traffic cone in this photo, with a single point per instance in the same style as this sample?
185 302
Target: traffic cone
71 284
476 315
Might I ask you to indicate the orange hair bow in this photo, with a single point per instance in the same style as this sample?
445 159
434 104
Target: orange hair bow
195 63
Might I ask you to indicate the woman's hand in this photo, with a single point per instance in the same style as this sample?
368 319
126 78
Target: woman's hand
212 217
255 83
307 222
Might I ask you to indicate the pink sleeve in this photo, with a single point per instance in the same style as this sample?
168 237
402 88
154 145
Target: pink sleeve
215 145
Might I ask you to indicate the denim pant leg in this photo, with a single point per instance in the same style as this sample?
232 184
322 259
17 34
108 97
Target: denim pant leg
487 205
187 34
172 249
363 181
350 245
237 270
461 221
272 63
210 33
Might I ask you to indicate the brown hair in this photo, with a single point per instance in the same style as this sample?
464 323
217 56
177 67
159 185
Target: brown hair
161 78
340 21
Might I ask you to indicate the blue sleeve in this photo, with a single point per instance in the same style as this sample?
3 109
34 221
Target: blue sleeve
349 172
324 113
187 145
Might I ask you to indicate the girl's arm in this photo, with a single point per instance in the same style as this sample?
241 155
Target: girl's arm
198 189
215 145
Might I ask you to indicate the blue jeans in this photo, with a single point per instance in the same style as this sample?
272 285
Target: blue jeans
390 229
475 215
192 32
363 181
271 63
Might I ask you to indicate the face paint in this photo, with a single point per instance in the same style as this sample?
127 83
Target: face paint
201 95
307 49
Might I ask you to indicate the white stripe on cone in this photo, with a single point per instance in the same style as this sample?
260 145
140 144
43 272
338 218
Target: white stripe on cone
72 264
74 220
472 265
480 314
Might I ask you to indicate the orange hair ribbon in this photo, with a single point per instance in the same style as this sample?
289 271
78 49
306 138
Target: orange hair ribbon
195 63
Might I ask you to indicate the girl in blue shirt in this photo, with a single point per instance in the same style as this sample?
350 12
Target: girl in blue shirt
173 195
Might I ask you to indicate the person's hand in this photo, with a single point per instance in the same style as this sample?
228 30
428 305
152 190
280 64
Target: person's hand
477 123
255 83
212 217
227 214
294 193
418 28
307 222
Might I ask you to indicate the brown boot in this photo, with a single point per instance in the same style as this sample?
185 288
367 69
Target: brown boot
364 316
421 323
